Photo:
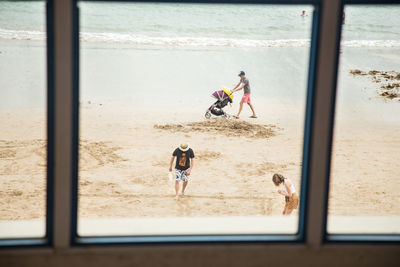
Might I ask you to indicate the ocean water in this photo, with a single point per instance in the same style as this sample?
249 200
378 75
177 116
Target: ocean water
175 55
203 25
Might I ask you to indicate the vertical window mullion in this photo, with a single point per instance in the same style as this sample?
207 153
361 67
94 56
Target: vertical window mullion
321 120
50 121
63 123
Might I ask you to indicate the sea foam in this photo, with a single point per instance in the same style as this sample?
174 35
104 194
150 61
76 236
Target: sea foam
187 41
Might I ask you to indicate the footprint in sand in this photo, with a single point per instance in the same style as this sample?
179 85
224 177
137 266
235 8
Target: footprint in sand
220 195
259 169
267 208
7 153
206 155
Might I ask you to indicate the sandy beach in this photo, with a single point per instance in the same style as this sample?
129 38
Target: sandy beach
124 158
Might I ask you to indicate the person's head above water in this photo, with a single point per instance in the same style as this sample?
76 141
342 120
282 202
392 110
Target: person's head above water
242 74
303 12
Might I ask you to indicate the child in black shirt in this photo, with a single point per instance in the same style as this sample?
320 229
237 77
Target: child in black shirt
183 166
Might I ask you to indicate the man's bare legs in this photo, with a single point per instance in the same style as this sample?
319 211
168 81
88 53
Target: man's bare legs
252 109
240 110
184 187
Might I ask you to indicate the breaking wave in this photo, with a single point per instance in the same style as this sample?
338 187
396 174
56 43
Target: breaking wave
126 38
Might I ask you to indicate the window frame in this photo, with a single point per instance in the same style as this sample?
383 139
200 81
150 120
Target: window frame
299 237
336 238
61 208
47 239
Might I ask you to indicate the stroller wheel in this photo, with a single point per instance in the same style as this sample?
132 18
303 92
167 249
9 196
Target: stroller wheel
226 116
207 115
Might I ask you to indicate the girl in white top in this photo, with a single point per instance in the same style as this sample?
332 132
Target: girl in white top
289 191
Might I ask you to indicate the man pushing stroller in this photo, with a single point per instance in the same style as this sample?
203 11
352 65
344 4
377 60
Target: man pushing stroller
245 85
225 96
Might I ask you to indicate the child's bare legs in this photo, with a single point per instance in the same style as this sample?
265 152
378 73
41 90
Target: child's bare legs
289 211
183 187
176 190
252 109
240 110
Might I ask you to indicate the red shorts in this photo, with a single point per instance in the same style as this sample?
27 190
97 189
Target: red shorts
245 98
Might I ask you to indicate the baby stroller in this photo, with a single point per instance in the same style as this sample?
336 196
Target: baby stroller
223 97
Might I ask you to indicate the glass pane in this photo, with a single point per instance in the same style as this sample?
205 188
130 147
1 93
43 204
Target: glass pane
23 119
365 187
149 73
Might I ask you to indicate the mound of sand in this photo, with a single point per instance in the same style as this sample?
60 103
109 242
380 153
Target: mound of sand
237 128
389 87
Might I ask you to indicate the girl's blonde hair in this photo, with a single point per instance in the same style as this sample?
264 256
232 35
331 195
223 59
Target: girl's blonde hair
277 179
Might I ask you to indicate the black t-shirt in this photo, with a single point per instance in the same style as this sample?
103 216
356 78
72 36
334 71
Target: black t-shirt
183 158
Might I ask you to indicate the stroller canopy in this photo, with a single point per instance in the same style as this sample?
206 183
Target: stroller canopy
223 94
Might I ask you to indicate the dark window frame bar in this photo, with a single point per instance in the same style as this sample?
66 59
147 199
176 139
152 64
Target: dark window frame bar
50 123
